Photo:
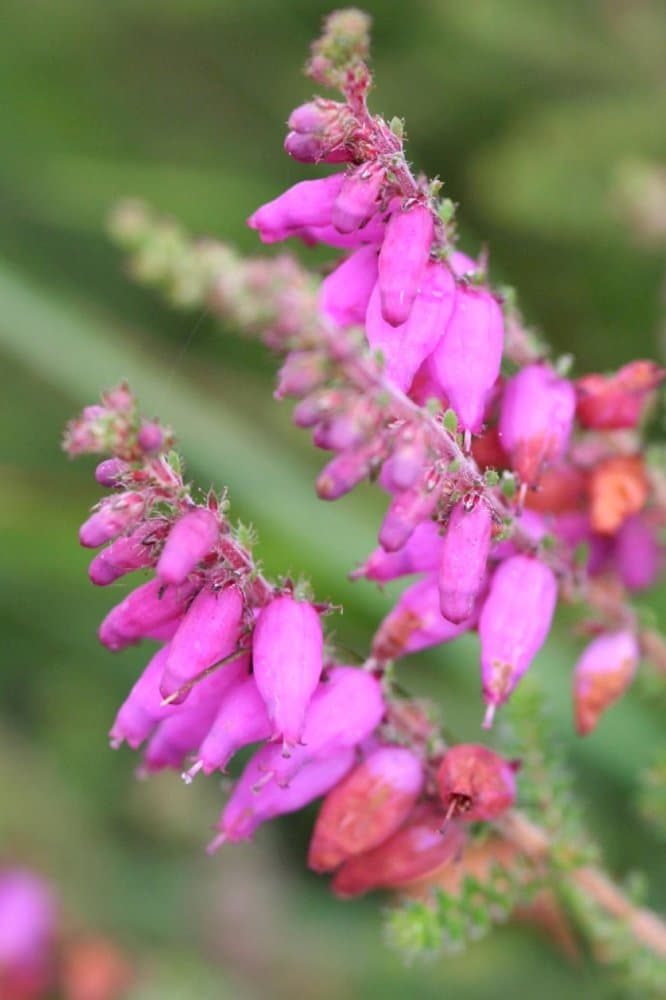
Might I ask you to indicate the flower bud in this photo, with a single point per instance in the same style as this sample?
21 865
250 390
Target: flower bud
419 554
301 373
241 719
416 623
209 632
467 359
150 437
359 196
420 846
114 514
367 807
402 259
602 675
318 132
536 418
618 487
309 203
306 147
405 347
345 471
513 625
637 555
127 553
151 611
617 401
27 935
110 471
407 461
345 293
475 783
407 510
462 558
253 801
287 650
561 488
191 538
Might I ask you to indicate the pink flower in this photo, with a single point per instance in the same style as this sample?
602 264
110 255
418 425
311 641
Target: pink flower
416 623
407 510
467 359
318 131
309 203
475 783
208 633
127 553
602 675
253 801
27 933
359 196
345 293
402 259
419 554
366 807
110 471
617 401
114 514
536 418
151 611
637 554
287 650
241 719
191 538
405 347
345 471
463 556
513 625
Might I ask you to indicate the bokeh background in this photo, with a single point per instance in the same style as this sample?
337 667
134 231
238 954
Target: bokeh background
536 116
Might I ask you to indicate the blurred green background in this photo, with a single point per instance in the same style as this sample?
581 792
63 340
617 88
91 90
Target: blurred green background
529 112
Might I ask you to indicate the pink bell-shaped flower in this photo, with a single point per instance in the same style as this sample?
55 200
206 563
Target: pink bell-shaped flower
191 538
308 203
463 555
602 675
345 293
402 259
151 611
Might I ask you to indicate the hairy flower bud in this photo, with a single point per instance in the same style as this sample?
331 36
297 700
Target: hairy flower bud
309 203
208 633
367 807
617 401
359 196
110 471
191 538
345 471
416 623
602 675
318 132
513 625
418 555
241 719
467 359
287 650
127 553
345 293
114 515
301 373
402 259
462 558
151 611
475 783
536 418
407 510
419 847
253 800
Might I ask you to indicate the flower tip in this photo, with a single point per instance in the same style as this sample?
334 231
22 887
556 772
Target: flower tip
216 843
489 717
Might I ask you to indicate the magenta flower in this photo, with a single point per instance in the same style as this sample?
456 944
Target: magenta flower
463 556
114 515
128 553
416 623
27 933
467 359
253 800
536 418
241 719
475 783
513 625
637 553
345 293
110 471
208 633
287 650
309 203
602 675
407 510
151 611
419 554
191 538
402 259
359 197
318 132
345 471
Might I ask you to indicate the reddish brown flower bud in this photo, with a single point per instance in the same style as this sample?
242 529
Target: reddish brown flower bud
475 783
603 673
618 488
616 401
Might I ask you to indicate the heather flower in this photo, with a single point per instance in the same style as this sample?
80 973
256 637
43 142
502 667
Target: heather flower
309 203
536 418
301 373
345 709
128 553
402 259
287 650
208 633
618 487
345 293
318 132
27 932
358 197
466 361
151 437
254 800
513 625
419 554
151 611
463 556
404 347
407 461
617 401
345 471
407 510
475 783
241 719
110 471
561 488
416 623
602 675
419 847
191 538
637 554
114 515
366 807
